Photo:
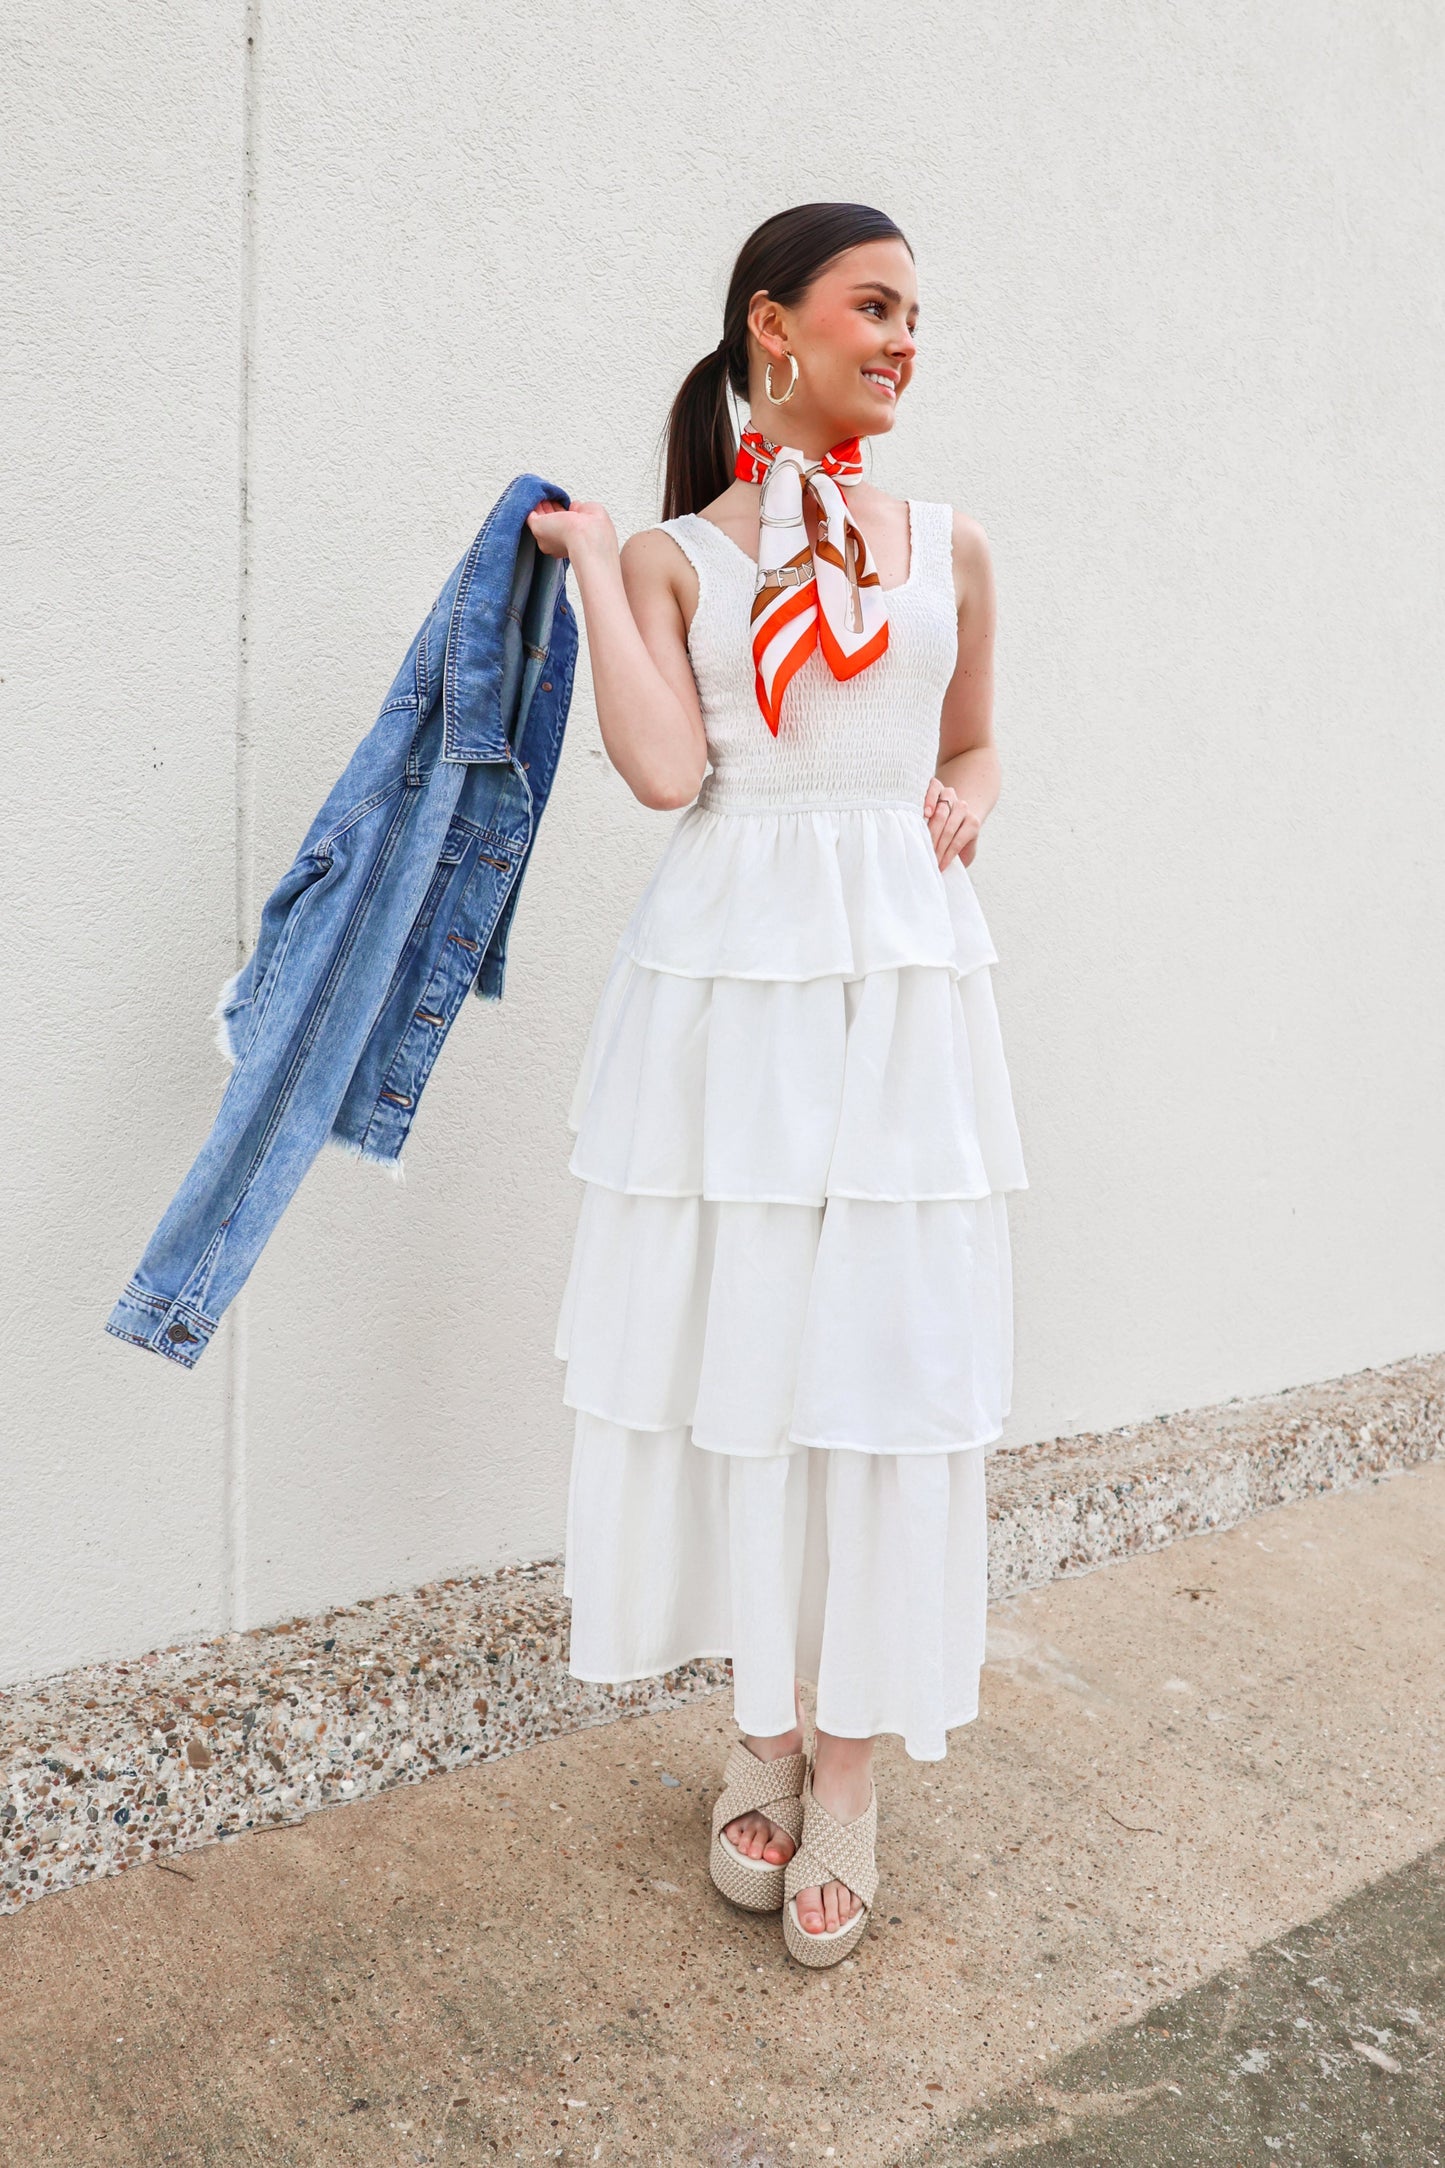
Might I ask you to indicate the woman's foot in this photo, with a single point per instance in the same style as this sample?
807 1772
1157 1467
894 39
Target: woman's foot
843 1783
753 1834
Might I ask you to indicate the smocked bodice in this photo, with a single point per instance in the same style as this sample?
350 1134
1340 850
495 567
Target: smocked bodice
869 740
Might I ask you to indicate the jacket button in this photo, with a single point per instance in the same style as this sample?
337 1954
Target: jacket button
179 1332
546 685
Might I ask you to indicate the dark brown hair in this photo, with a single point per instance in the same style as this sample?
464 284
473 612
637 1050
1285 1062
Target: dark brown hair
782 257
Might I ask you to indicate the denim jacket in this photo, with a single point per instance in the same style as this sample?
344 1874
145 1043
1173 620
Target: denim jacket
400 898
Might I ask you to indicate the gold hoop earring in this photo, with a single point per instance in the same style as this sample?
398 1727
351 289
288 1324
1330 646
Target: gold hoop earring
792 384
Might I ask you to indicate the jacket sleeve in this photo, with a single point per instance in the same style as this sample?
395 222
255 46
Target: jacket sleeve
238 1007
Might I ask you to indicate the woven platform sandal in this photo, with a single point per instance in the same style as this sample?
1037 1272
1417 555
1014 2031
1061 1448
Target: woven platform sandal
831 1851
753 1786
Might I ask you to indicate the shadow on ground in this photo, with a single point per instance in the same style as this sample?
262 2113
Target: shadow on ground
1327 2051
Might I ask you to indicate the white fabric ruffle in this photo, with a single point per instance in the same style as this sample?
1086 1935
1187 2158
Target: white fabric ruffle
793 1230
884 1327
865 1575
804 893
787 1322
891 1086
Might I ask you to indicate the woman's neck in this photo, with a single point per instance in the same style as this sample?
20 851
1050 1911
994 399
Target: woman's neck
812 441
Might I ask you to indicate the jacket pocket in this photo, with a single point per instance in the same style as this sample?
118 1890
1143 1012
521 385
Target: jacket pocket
452 853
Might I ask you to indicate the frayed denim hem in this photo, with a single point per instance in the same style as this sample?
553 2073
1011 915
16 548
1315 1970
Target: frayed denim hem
393 1167
222 1020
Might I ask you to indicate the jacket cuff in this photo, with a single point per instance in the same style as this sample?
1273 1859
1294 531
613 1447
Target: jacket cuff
176 1330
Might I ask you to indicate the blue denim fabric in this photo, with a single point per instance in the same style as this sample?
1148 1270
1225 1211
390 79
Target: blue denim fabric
400 898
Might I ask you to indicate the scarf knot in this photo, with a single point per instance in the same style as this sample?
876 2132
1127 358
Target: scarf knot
808 596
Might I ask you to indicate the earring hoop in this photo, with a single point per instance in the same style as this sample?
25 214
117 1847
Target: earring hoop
792 383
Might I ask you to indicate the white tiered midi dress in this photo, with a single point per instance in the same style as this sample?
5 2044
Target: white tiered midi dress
787 1322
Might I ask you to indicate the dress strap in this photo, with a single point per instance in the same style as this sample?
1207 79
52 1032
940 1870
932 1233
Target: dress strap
684 528
933 539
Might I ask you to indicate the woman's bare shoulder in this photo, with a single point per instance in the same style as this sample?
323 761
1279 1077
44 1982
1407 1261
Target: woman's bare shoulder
657 571
972 561
968 535
654 554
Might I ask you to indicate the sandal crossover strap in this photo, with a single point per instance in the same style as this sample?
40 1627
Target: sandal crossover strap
833 1851
754 1786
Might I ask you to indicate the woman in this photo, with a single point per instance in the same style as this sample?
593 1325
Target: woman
787 1322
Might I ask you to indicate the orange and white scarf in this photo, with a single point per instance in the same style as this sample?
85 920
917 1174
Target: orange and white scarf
806 597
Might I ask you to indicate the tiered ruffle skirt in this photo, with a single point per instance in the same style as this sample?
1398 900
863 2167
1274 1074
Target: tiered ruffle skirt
787 1322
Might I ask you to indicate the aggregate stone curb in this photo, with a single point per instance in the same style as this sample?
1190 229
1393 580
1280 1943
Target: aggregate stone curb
116 1764
1070 1504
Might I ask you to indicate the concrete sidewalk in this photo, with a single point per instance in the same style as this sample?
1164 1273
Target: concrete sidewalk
1325 2047
1180 1759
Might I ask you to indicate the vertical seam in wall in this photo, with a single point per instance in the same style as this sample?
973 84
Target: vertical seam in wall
234 1472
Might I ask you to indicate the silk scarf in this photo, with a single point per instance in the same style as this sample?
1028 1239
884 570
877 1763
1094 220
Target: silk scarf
804 595
826 596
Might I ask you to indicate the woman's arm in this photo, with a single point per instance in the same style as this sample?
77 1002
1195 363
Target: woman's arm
968 759
647 704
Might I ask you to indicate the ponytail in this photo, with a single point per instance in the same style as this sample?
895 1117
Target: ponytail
701 444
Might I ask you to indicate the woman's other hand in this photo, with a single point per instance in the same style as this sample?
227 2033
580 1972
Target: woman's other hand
569 531
951 823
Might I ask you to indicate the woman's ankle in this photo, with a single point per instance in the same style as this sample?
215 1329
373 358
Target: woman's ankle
774 1748
842 1775
777 1744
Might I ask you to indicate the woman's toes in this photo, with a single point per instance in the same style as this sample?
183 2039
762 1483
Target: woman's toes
824 1911
750 1834
756 1838
833 1907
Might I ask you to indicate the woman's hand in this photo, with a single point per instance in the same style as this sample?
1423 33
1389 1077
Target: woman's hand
951 823
570 531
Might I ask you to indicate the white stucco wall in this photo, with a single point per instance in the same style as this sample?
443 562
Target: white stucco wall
1180 352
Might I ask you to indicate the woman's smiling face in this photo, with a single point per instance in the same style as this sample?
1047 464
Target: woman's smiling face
854 337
